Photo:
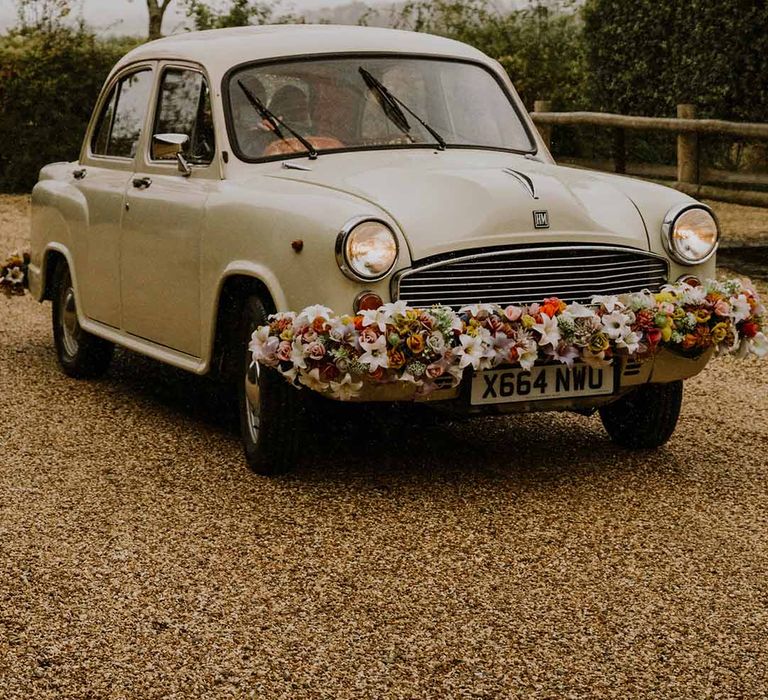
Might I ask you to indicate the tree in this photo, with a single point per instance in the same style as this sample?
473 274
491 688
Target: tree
156 10
42 15
212 14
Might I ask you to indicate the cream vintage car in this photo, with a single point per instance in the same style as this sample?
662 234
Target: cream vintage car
226 175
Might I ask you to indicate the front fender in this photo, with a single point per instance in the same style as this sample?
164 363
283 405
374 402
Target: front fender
251 229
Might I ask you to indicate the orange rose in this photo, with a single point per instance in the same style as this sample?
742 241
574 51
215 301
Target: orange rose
415 344
358 321
689 342
396 359
552 307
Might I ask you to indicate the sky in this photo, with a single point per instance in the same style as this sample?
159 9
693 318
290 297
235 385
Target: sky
130 16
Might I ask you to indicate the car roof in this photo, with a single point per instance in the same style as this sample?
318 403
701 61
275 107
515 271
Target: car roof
221 49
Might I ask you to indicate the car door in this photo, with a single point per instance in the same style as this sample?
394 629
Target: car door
163 223
102 177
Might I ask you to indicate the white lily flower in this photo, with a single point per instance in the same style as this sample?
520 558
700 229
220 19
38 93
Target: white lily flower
263 347
346 389
375 354
15 276
476 309
630 342
376 317
739 308
471 351
341 331
527 355
615 325
312 380
397 308
500 348
576 310
308 315
549 330
694 296
610 303
283 316
566 354
298 354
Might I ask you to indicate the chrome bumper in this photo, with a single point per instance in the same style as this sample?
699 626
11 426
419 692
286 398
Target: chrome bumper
666 366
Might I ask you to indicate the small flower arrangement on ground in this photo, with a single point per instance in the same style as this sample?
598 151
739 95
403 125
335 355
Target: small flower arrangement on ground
336 355
13 275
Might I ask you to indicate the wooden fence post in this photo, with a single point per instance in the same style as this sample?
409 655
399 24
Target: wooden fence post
687 149
545 131
619 151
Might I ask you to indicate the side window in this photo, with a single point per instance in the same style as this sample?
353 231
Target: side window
184 108
122 119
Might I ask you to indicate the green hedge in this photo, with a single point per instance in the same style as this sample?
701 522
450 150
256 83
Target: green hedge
49 81
647 56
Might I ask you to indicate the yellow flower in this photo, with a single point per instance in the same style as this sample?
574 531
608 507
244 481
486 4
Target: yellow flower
702 315
661 297
599 342
679 314
528 321
666 333
287 334
719 333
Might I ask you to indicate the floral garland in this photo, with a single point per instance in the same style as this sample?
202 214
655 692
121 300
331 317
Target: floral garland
13 275
336 355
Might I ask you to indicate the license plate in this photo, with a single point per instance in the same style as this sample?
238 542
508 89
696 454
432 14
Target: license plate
546 382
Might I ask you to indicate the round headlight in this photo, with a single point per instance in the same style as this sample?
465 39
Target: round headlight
367 250
691 234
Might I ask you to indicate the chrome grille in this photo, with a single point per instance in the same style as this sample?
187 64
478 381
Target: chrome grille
526 275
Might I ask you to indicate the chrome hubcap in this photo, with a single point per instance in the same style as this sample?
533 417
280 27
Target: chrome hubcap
69 326
253 398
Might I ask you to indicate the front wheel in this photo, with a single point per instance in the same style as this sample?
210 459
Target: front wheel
273 414
81 355
646 417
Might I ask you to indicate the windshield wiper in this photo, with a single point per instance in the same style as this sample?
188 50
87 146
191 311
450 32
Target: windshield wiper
276 122
388 100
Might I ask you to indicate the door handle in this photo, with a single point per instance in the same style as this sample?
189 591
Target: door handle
141 183
79 174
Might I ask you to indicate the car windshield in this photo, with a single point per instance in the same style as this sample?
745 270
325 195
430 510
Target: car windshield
361 102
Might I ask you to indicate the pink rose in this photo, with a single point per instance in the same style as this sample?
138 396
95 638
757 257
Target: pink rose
316 351
435 371
722 308
368 335
284 351
513 313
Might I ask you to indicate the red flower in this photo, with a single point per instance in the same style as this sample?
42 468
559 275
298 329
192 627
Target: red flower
329 372
653 336
750 329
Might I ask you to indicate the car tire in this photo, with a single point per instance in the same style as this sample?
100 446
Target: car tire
274 416
80 354
646 417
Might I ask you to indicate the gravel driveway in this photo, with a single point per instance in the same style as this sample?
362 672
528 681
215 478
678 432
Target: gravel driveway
518 557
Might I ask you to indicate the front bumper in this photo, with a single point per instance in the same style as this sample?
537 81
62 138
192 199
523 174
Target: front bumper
664 367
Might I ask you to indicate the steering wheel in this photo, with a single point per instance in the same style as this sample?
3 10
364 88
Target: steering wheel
321 143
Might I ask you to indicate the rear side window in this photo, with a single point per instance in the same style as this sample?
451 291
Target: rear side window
122 119
184 109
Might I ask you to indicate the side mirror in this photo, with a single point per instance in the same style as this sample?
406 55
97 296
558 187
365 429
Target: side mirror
170 146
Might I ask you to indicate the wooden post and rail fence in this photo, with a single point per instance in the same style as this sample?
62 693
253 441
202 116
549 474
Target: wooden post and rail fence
689 177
